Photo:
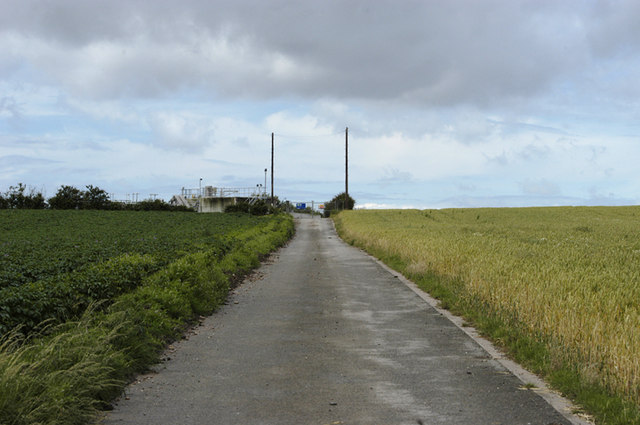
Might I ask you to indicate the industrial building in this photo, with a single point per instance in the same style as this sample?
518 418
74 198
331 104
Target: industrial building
216 199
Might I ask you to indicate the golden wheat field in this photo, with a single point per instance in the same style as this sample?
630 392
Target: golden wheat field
571 274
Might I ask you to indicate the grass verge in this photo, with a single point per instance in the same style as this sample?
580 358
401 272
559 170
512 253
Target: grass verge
66 373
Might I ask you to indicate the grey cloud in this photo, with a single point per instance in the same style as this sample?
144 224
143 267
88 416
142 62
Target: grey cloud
76 23
431 53
423 52
615 27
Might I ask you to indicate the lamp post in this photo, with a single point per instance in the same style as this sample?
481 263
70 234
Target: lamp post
265 180
200 196
272 152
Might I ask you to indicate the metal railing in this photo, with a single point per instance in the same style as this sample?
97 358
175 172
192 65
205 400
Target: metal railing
225 192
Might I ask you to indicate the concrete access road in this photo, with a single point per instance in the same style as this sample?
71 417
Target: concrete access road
323 334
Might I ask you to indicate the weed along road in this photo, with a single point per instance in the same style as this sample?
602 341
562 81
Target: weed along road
323 334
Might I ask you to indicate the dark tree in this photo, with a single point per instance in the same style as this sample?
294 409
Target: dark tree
67 198
95 198
16 198
35 200
340 202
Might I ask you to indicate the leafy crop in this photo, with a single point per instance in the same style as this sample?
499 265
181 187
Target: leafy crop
565 278
53 264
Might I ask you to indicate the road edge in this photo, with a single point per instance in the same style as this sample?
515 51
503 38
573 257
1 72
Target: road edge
561 404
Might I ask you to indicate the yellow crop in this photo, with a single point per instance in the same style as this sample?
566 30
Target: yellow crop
571 275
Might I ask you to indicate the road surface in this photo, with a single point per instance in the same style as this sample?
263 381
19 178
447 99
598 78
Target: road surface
325 335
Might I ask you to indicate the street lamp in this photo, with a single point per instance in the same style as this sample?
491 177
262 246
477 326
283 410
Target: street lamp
200 196
265 180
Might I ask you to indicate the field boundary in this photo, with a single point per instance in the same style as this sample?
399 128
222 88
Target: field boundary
561 404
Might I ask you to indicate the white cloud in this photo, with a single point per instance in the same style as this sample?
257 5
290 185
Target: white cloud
182 131
377 206
290 124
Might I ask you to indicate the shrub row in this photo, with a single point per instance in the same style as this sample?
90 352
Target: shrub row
76 368
260 207
72 198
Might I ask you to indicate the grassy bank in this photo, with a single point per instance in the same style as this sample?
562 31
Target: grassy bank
558 287
66 372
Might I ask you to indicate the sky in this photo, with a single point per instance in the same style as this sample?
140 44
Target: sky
456 103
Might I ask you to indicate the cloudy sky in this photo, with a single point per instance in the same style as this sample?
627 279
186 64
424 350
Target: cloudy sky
456 103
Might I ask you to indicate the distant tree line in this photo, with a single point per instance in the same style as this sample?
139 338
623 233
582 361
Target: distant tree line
72 198
17 197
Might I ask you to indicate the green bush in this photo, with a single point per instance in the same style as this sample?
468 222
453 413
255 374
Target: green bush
240 207
258 208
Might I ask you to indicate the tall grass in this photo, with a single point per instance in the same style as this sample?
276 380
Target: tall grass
63 377
568 277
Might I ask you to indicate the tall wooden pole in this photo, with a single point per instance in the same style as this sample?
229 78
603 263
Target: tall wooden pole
272 198
346 166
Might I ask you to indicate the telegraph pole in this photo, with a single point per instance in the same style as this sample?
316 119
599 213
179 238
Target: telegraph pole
346 166
272 199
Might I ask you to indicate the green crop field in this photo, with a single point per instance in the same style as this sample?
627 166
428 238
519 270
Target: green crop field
53 263
39 244
89 298
567 279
